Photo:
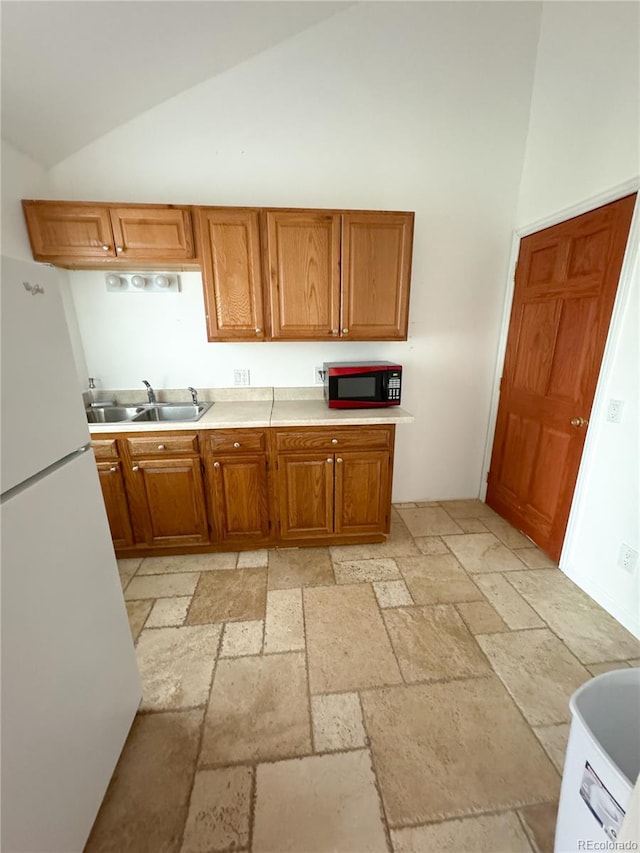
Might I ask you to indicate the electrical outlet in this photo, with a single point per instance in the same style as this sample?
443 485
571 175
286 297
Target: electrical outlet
614 411
319 376
241 378
628 558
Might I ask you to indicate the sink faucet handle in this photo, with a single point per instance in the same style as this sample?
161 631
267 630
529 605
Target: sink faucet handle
194 395
151 394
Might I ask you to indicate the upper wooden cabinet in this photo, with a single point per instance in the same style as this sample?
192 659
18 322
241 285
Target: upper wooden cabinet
303 259
339 275
231 273
80 234
376 274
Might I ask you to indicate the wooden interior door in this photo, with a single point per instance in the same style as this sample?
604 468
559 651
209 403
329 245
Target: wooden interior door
305 490
303 259
361 496
231 274
565 287
376 274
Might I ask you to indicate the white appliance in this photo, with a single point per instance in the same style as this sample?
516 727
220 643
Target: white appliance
70 685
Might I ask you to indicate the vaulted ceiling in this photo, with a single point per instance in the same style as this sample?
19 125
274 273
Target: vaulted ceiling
72 71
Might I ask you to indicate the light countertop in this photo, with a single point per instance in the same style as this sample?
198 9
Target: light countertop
265 413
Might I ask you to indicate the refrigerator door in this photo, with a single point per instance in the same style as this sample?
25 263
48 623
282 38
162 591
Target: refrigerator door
43 418
70 687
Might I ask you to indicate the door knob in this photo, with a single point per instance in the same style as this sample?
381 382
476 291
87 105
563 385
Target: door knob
579 422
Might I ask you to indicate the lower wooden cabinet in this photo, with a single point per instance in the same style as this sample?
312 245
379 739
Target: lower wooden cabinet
167 501
167 492
343 491
238 485
115 502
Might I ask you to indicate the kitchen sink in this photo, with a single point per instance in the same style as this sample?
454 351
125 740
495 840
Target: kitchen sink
162 412
143 413
111 414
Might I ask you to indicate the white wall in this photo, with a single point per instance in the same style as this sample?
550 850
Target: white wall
414 106
583 140
22 178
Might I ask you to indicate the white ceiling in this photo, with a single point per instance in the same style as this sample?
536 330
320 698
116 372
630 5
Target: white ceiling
72 71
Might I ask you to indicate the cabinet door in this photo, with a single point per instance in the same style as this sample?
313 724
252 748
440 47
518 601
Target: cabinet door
305 495
115 502
152 233
303 255
376 274
61 230
231 273
362 491
240 505
167 501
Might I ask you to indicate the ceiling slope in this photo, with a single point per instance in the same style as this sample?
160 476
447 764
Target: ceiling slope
72 71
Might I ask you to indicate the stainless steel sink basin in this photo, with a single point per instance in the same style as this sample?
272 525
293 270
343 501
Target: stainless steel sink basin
155 413
162 412
111 414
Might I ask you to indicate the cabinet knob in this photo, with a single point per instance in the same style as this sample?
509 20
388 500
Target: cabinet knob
118 249
334 441
345 331
113 468
338 460
334 331
329 459
236 444
106 248
135 468
216 464
258 331
161 447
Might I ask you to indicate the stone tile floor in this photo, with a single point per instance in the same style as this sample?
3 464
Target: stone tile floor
409 696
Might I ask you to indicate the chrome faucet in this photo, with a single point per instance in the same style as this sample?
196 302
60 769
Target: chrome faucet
151 394
194 395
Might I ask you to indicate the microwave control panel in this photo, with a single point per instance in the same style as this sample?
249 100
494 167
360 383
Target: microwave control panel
393 386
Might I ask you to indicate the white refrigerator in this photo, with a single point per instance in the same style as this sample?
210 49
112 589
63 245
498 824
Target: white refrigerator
70 686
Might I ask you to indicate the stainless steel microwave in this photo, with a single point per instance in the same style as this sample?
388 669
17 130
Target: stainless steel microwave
362 384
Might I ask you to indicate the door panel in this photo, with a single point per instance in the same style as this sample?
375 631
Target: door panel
361 491
115 502
240 498
231 274
169 506
376 271
156 233
303 253
78 231
305 489
565 287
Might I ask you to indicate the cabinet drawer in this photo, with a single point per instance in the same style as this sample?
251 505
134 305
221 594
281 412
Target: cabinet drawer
159 445
105 448
334 439
237 441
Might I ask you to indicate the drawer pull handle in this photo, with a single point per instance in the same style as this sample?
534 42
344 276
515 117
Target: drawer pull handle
161 447
334 441
338 460
216 464
113 468
236 444
329 459
135 468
